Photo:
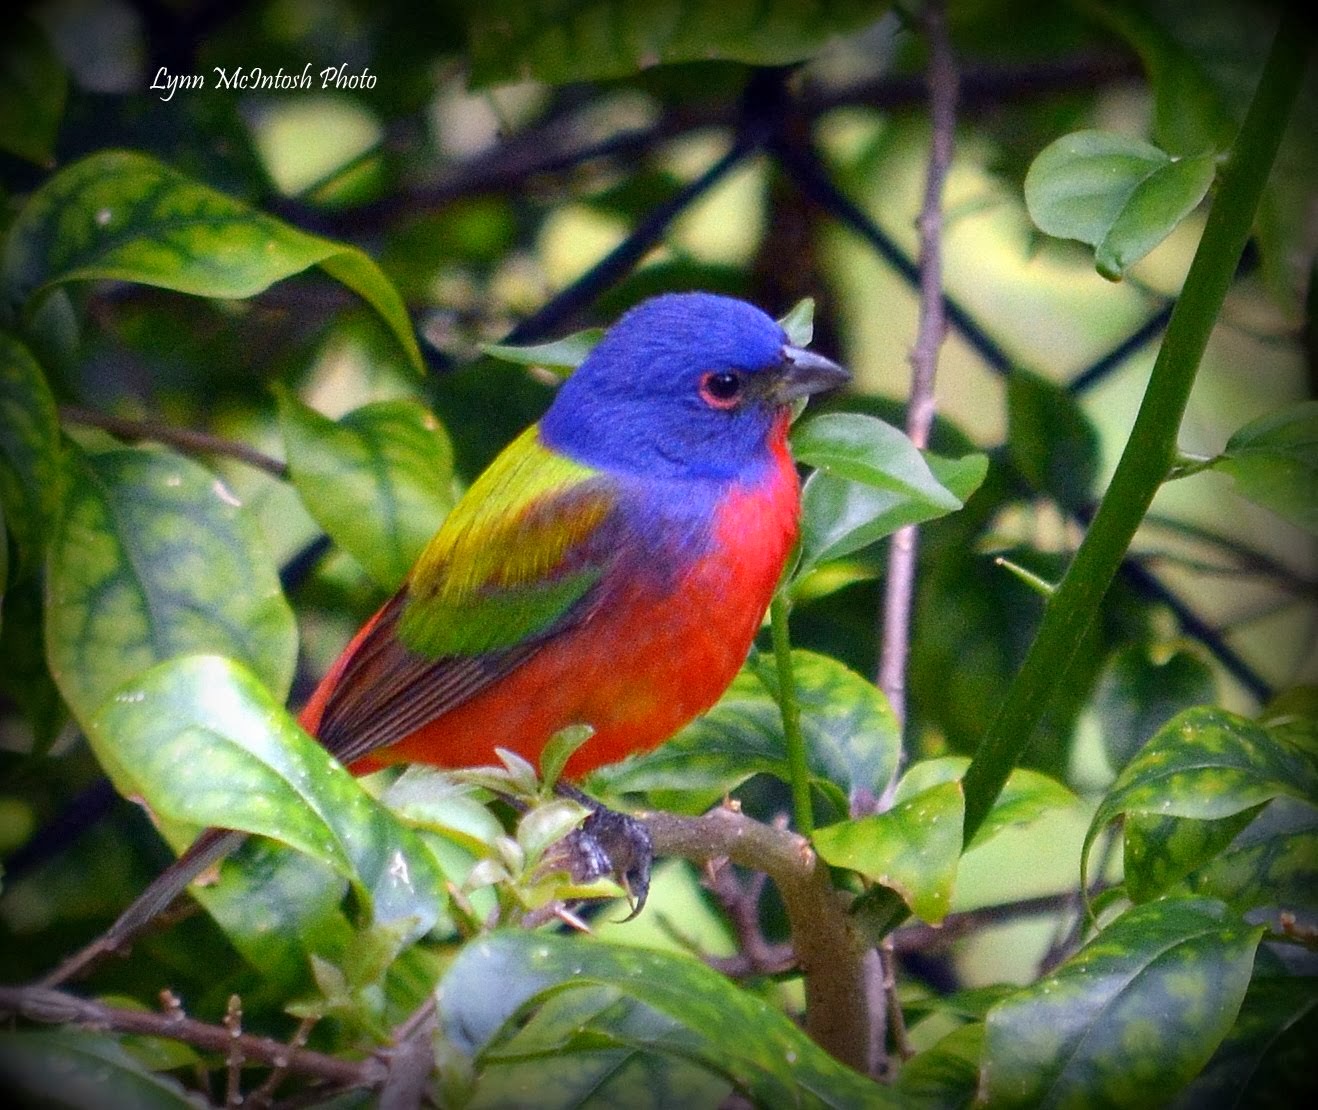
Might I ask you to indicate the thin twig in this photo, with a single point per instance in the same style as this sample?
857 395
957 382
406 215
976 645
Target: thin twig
630 251
410 1059
899 586
741 903
233 1061
264 1095
555 146
185 438
54 1007
896 1019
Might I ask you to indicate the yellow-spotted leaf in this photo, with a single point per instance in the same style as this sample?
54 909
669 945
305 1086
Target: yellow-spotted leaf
913 848
1206 763
1027 795
1129 1019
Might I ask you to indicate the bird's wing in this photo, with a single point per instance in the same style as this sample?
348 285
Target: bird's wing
519 560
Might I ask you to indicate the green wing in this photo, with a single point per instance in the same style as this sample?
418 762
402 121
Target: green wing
514 557
517 560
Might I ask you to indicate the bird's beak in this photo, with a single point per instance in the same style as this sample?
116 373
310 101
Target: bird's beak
804 372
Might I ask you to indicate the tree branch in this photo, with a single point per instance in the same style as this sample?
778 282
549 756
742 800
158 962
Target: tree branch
54 1007
829 948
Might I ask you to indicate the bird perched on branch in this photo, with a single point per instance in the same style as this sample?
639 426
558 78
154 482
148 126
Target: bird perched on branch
610 568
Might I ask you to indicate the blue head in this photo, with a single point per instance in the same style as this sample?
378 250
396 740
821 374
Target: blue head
686 385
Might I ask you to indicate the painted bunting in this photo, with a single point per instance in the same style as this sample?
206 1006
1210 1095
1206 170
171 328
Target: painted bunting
609 568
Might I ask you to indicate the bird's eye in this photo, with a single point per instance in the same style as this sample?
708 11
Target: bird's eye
720 389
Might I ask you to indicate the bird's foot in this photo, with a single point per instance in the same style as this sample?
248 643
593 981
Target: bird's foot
613 844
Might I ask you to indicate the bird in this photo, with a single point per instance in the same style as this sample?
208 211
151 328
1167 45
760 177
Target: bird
610 568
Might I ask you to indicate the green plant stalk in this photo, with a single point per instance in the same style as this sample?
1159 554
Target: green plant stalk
802 809
1151 449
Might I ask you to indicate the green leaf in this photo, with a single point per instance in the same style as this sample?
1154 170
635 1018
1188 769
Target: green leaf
25 678
799 323
1079 184
203 743
962 476
1027 796
1206 763
591 1047
1050 440
81 1069
839 516
944 1076
1138 693
29 453
561 356
559 749
560 42
1243 1071
852 739
277 906
1274 461
380 481
1159 202
914 847
1130 1019
153 557
868 451
123 216
710 1021
33 86
1117 193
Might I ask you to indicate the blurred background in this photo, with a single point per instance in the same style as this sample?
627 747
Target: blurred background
521 171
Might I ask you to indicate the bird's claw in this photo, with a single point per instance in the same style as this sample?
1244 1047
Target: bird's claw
614 844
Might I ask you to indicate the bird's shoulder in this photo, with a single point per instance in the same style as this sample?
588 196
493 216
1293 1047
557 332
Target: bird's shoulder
522 549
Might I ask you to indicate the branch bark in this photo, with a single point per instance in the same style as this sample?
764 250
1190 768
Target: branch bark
830 949
899 585
184 438
54 1007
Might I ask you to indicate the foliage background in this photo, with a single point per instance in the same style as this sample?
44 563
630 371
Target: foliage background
500 154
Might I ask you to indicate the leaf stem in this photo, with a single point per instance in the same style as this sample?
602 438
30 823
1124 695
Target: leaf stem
802 809
1185 465
1151 447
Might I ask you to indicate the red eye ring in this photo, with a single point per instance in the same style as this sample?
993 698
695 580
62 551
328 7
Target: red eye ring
721 389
